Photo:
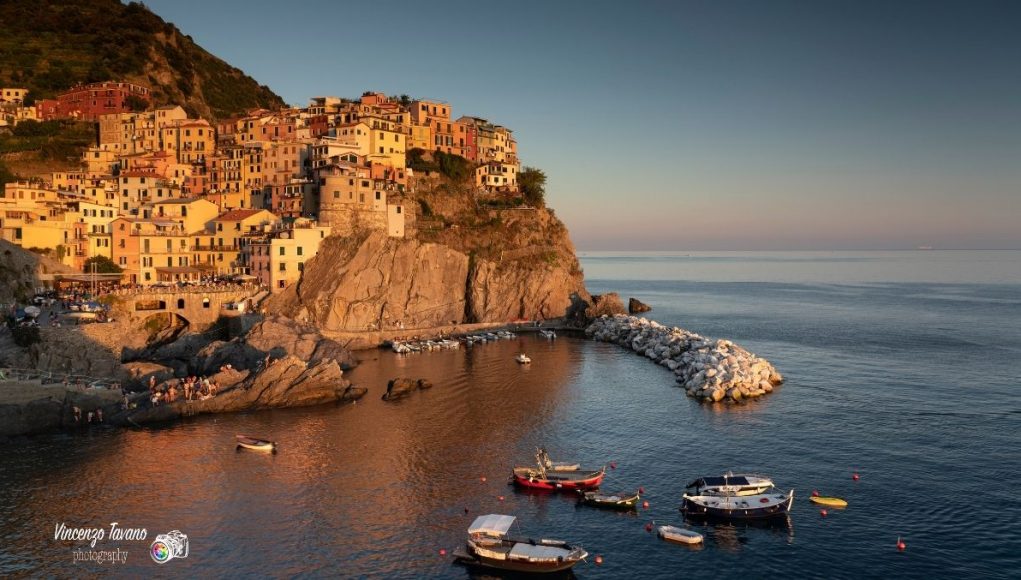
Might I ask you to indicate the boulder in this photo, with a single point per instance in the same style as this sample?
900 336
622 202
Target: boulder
636 306
402 387
608 304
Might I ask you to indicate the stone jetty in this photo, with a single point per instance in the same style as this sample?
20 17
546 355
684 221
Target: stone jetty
709 370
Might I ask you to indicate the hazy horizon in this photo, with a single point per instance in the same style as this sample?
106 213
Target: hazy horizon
693 125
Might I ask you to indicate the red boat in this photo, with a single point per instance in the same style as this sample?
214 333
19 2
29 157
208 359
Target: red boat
539 478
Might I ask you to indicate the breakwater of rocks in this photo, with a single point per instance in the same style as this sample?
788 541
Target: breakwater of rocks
711 370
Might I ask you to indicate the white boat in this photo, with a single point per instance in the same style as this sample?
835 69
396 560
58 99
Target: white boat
255 444
488 545
680 535
741 507
548 334
729 483
523 359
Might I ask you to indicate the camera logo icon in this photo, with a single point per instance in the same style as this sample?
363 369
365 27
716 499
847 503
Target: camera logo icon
168 546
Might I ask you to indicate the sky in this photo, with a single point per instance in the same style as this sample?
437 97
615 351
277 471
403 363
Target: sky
714 125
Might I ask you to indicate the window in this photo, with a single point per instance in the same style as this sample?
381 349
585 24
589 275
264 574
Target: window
282 249
205 303
180 303
283 266
300 250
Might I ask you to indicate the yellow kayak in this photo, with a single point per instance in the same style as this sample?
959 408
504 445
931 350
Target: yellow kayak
830 501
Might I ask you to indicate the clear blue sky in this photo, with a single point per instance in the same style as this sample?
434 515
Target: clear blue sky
692 125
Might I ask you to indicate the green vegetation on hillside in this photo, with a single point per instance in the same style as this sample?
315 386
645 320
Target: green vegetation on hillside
454 167
56 143
48 46
532 183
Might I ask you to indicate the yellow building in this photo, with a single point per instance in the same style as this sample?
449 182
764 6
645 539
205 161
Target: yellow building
218 247
192 215
189 140
99 161
13 95
496 176
278 258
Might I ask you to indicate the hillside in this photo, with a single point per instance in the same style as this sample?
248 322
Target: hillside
50 45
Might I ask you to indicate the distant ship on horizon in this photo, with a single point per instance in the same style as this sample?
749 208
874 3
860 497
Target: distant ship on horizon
924 247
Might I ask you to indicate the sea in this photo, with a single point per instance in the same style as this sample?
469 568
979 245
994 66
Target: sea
902 368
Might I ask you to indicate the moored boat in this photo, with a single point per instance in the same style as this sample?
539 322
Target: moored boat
730 506
548 334
729 483
523 359
543 458
679 535
489 545
828 501
255 444
619 501
540 478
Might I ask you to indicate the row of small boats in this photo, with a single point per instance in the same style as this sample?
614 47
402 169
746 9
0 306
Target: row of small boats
411 346
407 347
729 497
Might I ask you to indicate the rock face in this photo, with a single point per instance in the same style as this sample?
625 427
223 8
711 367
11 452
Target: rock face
383 282
493 266
498 292
608 304
402 387
709 370
636 306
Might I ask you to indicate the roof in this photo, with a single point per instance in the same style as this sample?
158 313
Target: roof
235 215
492 524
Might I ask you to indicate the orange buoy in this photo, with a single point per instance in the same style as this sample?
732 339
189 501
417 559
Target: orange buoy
500 498
599 560
822 513
645 504
443 552
855 477
648 527
901 546
483 479
815 493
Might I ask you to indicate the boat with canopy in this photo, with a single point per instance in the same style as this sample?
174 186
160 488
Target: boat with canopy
490 546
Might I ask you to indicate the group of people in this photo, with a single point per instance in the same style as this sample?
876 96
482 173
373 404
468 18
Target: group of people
190 388
92 416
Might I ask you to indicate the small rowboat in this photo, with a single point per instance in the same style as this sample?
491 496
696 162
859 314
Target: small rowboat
621 501
532 478
829 501
679 535
255 444
523 359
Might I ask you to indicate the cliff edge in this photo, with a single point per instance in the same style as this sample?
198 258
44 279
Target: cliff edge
462 262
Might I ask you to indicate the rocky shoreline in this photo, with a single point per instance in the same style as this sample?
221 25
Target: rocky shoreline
711 370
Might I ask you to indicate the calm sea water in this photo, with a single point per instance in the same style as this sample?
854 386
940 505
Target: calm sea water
901 367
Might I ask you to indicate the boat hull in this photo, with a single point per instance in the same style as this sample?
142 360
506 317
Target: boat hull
828 501
624 503
738 508
256 444
556 481
462 556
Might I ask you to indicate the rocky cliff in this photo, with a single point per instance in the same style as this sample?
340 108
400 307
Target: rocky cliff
468 264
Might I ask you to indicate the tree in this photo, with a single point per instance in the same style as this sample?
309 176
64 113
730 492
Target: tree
103 264
532 183
136 103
